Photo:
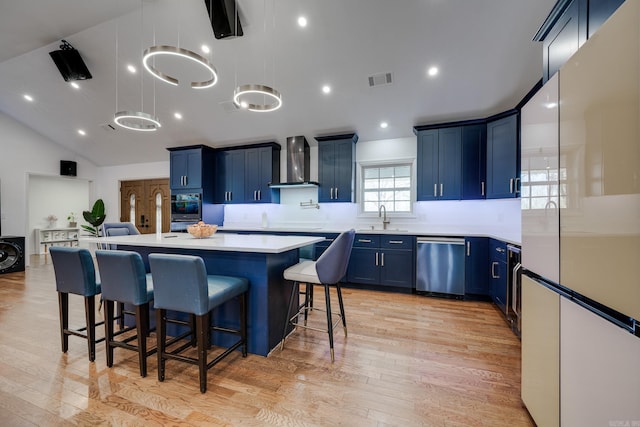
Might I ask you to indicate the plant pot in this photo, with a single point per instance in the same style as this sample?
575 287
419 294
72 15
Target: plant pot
73 224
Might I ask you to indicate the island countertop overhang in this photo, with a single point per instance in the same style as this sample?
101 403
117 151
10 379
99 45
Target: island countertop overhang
258 243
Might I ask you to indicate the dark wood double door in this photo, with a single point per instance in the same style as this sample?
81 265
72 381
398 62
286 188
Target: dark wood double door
142 196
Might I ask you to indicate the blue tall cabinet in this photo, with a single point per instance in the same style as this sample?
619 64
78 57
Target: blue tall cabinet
503 157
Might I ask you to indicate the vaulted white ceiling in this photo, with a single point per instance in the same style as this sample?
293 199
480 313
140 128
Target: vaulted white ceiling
483 50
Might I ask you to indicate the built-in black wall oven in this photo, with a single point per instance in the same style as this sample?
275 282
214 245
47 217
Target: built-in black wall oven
186 207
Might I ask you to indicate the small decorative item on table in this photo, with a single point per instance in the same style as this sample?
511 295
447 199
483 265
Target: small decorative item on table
202 230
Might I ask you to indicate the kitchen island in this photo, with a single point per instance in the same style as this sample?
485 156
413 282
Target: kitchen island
260 258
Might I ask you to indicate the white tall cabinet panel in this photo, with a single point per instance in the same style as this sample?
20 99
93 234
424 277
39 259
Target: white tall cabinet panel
600 141
541 352
541 180
599 370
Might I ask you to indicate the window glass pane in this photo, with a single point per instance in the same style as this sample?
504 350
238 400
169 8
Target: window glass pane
370 207
386 172
389 185
538 176
524 191
403 171
525 203
539 190
371 184
403 182
403 195
371 196
386 196
371 173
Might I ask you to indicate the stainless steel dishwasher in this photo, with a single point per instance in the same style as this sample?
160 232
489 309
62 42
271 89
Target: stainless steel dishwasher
440 266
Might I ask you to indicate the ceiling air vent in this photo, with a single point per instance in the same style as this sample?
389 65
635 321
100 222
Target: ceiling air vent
380 79
108 127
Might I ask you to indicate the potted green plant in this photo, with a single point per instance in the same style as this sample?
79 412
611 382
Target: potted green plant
72 220
95 217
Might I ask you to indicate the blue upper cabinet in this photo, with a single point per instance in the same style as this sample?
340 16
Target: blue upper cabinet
192 168
474 161
244 173
336 172
503 158
186 169
569 24
439 171
230 184
262 167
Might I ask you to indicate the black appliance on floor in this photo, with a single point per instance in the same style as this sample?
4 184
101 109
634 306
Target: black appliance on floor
11 254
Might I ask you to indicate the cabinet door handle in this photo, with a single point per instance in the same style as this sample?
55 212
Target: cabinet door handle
186 180
376 258
364 240
435 190
259 194
331 197
482 188
517 186
493 271
255 195
441 185
396 242
382 260
468 248
336 193
511 185
230 195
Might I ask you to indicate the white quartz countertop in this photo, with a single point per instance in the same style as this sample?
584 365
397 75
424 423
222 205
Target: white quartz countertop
503 235
260 243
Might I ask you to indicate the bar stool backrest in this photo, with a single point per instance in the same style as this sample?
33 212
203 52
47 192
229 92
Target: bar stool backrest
332 264
180 283
123 276
74 270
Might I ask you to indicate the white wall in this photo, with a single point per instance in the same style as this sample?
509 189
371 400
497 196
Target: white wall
24 152
59 196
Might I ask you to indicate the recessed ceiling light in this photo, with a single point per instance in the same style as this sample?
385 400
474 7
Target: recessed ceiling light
177 115
28 97
82 132
75 85
433 71
205 48
302 21
326 89
132 69
384 125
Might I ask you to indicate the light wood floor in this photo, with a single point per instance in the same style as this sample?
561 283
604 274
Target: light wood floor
407 361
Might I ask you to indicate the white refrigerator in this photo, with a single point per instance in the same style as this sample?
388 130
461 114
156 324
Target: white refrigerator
581 234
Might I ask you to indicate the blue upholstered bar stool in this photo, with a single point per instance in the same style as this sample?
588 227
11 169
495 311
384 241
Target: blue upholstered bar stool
124 280
327 271
76 274
181 284
119 229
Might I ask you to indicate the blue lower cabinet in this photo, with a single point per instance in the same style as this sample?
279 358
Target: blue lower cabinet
476 279
382 260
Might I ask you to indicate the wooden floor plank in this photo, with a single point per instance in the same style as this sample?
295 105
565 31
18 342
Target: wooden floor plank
407 360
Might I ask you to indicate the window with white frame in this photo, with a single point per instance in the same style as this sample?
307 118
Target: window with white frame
388 185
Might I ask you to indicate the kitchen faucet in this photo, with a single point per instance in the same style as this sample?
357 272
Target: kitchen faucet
385 221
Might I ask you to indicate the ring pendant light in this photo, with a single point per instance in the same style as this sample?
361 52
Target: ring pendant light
135 120
163 50
251 91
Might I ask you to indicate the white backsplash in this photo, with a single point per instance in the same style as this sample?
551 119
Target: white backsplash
500 218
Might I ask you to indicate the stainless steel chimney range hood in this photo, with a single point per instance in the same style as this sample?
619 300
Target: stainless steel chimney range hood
297 164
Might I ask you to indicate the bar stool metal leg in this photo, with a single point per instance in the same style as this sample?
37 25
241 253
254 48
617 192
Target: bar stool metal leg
327 298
